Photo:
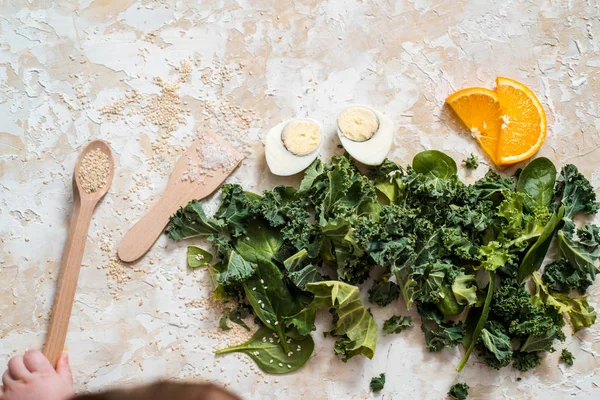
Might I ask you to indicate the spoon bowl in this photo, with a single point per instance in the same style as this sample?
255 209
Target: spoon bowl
78 185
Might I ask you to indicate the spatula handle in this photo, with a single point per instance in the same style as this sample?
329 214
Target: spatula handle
140 238
67 280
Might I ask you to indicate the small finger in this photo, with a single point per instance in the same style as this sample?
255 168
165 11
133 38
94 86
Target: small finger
1 392
6 378
35 361
17 368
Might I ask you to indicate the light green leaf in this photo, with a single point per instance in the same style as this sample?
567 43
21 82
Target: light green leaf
464 288
354 320
197 257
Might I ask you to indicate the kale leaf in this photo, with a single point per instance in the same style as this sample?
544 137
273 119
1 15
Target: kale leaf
567 357
575 192
397 324
459 391
384 293
377 383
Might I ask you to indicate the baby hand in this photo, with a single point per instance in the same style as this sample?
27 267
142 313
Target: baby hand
32 377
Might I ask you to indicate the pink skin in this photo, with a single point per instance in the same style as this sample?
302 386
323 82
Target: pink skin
32 377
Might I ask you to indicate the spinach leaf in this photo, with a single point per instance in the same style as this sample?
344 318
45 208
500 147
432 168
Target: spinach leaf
435 163
270 298
197 257
475 322
537 180
352 320
270 356
537 252
260 242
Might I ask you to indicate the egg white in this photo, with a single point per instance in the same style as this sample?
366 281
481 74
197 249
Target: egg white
374 150
280 160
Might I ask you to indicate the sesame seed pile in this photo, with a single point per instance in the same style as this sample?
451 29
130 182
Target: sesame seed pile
93 171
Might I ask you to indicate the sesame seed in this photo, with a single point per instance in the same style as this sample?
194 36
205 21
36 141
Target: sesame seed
93 171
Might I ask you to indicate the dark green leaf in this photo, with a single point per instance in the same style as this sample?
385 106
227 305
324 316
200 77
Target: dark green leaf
397 324
191 221
537 180
459 391
377 383
384 293
435 163
475 322
567 357
237 270
535 255
575 192
270 356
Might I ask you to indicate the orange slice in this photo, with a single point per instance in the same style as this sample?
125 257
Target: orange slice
479 109
523 128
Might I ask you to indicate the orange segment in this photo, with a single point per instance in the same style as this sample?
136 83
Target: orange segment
523 128
479 109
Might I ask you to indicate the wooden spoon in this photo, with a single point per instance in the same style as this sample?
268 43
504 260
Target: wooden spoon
180 191
83 207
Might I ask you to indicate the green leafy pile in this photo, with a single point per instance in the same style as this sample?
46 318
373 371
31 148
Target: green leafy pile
449 248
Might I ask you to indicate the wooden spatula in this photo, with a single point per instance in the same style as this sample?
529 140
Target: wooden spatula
83 207
185 184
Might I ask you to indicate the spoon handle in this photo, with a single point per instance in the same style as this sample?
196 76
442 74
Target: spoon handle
140 238
67 280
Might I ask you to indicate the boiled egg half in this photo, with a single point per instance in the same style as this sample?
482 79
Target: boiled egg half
366 134
293 145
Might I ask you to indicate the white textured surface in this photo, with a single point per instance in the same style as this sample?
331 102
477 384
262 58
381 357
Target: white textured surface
61 62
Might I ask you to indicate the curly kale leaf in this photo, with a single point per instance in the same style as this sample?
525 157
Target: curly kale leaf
494 345
581 314
397 324
561 276
459 391
384 293
567 357
471 162
575 192
191 221
439 334
526 361
237 270
492 187
377 383
580 256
